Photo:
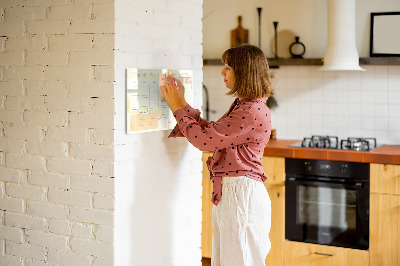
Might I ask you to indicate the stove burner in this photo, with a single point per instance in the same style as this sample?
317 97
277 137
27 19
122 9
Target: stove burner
358 144
332 142
328 142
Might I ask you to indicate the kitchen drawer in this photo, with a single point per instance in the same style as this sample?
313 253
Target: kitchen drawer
305 254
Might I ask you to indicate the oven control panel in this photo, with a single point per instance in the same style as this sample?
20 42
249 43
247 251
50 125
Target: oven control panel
336 169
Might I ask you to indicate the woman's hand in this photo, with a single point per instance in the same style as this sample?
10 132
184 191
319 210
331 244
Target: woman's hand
172 94
181 91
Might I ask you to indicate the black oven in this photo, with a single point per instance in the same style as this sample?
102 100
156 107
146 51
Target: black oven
327 202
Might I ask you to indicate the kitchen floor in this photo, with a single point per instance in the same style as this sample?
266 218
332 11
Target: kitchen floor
206 261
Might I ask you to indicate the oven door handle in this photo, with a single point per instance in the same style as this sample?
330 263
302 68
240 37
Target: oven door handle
357 185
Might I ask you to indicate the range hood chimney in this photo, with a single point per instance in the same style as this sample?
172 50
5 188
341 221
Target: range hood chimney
341 51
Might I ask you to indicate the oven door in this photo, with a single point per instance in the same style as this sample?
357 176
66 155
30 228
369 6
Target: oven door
327 213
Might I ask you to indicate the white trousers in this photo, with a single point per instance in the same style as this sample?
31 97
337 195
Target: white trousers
241 223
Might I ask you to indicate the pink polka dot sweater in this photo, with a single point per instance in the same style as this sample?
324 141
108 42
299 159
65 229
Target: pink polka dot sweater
238 139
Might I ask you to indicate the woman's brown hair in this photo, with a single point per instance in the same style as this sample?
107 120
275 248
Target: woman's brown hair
250 66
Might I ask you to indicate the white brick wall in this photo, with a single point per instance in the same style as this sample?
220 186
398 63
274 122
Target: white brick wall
156 177
56 132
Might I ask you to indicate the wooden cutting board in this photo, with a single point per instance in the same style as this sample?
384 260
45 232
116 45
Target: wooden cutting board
239 35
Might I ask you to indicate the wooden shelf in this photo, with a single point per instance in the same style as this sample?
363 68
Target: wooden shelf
274 63
380 61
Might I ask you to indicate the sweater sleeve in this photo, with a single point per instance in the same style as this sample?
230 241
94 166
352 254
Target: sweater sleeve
193 113
231 130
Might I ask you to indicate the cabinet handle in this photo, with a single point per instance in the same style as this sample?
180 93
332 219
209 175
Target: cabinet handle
324 254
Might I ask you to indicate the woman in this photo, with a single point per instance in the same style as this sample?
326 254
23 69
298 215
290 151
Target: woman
242 208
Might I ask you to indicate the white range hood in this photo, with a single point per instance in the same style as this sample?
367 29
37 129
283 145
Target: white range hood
341 51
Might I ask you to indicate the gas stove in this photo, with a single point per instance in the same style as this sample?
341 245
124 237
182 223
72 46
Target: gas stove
332 142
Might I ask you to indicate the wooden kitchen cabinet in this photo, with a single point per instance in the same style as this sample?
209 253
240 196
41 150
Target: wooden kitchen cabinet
385 178
384 236
206 225
305 254
274 168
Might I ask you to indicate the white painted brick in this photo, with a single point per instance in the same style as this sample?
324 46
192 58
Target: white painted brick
70 42
90 58
48 179
12 29
11 233
104 11
56 149
103 202
46 2
24 132
32 43
25 221
81 73
91 26
47 58
70 12
11 59
24 73
11 117
102 136
8 260
95 216
24 13
46 209
46 118
92 151
25 191
25 103
2 44
12 204
105 260
2 158
12 145
48 27
91 89
32 262
74 135
11 88
70 166
25 250
68 258
104 73
103 168
56 103
46 88
69 197
98 120
93 184
91 247
60 227
82 230
47 240
105 233
25 161
103 41
97 105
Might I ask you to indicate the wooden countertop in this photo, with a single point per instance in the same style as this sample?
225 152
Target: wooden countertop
389 154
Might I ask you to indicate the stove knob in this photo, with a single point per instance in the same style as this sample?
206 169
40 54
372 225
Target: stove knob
343 168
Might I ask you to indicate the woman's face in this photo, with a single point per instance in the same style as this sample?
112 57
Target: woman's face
229 76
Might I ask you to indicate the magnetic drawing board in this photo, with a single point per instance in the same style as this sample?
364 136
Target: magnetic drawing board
147 110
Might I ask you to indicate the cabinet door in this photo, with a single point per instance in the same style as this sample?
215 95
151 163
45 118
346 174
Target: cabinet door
304 254
277 233
206 226
384 229
274 168
385 178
